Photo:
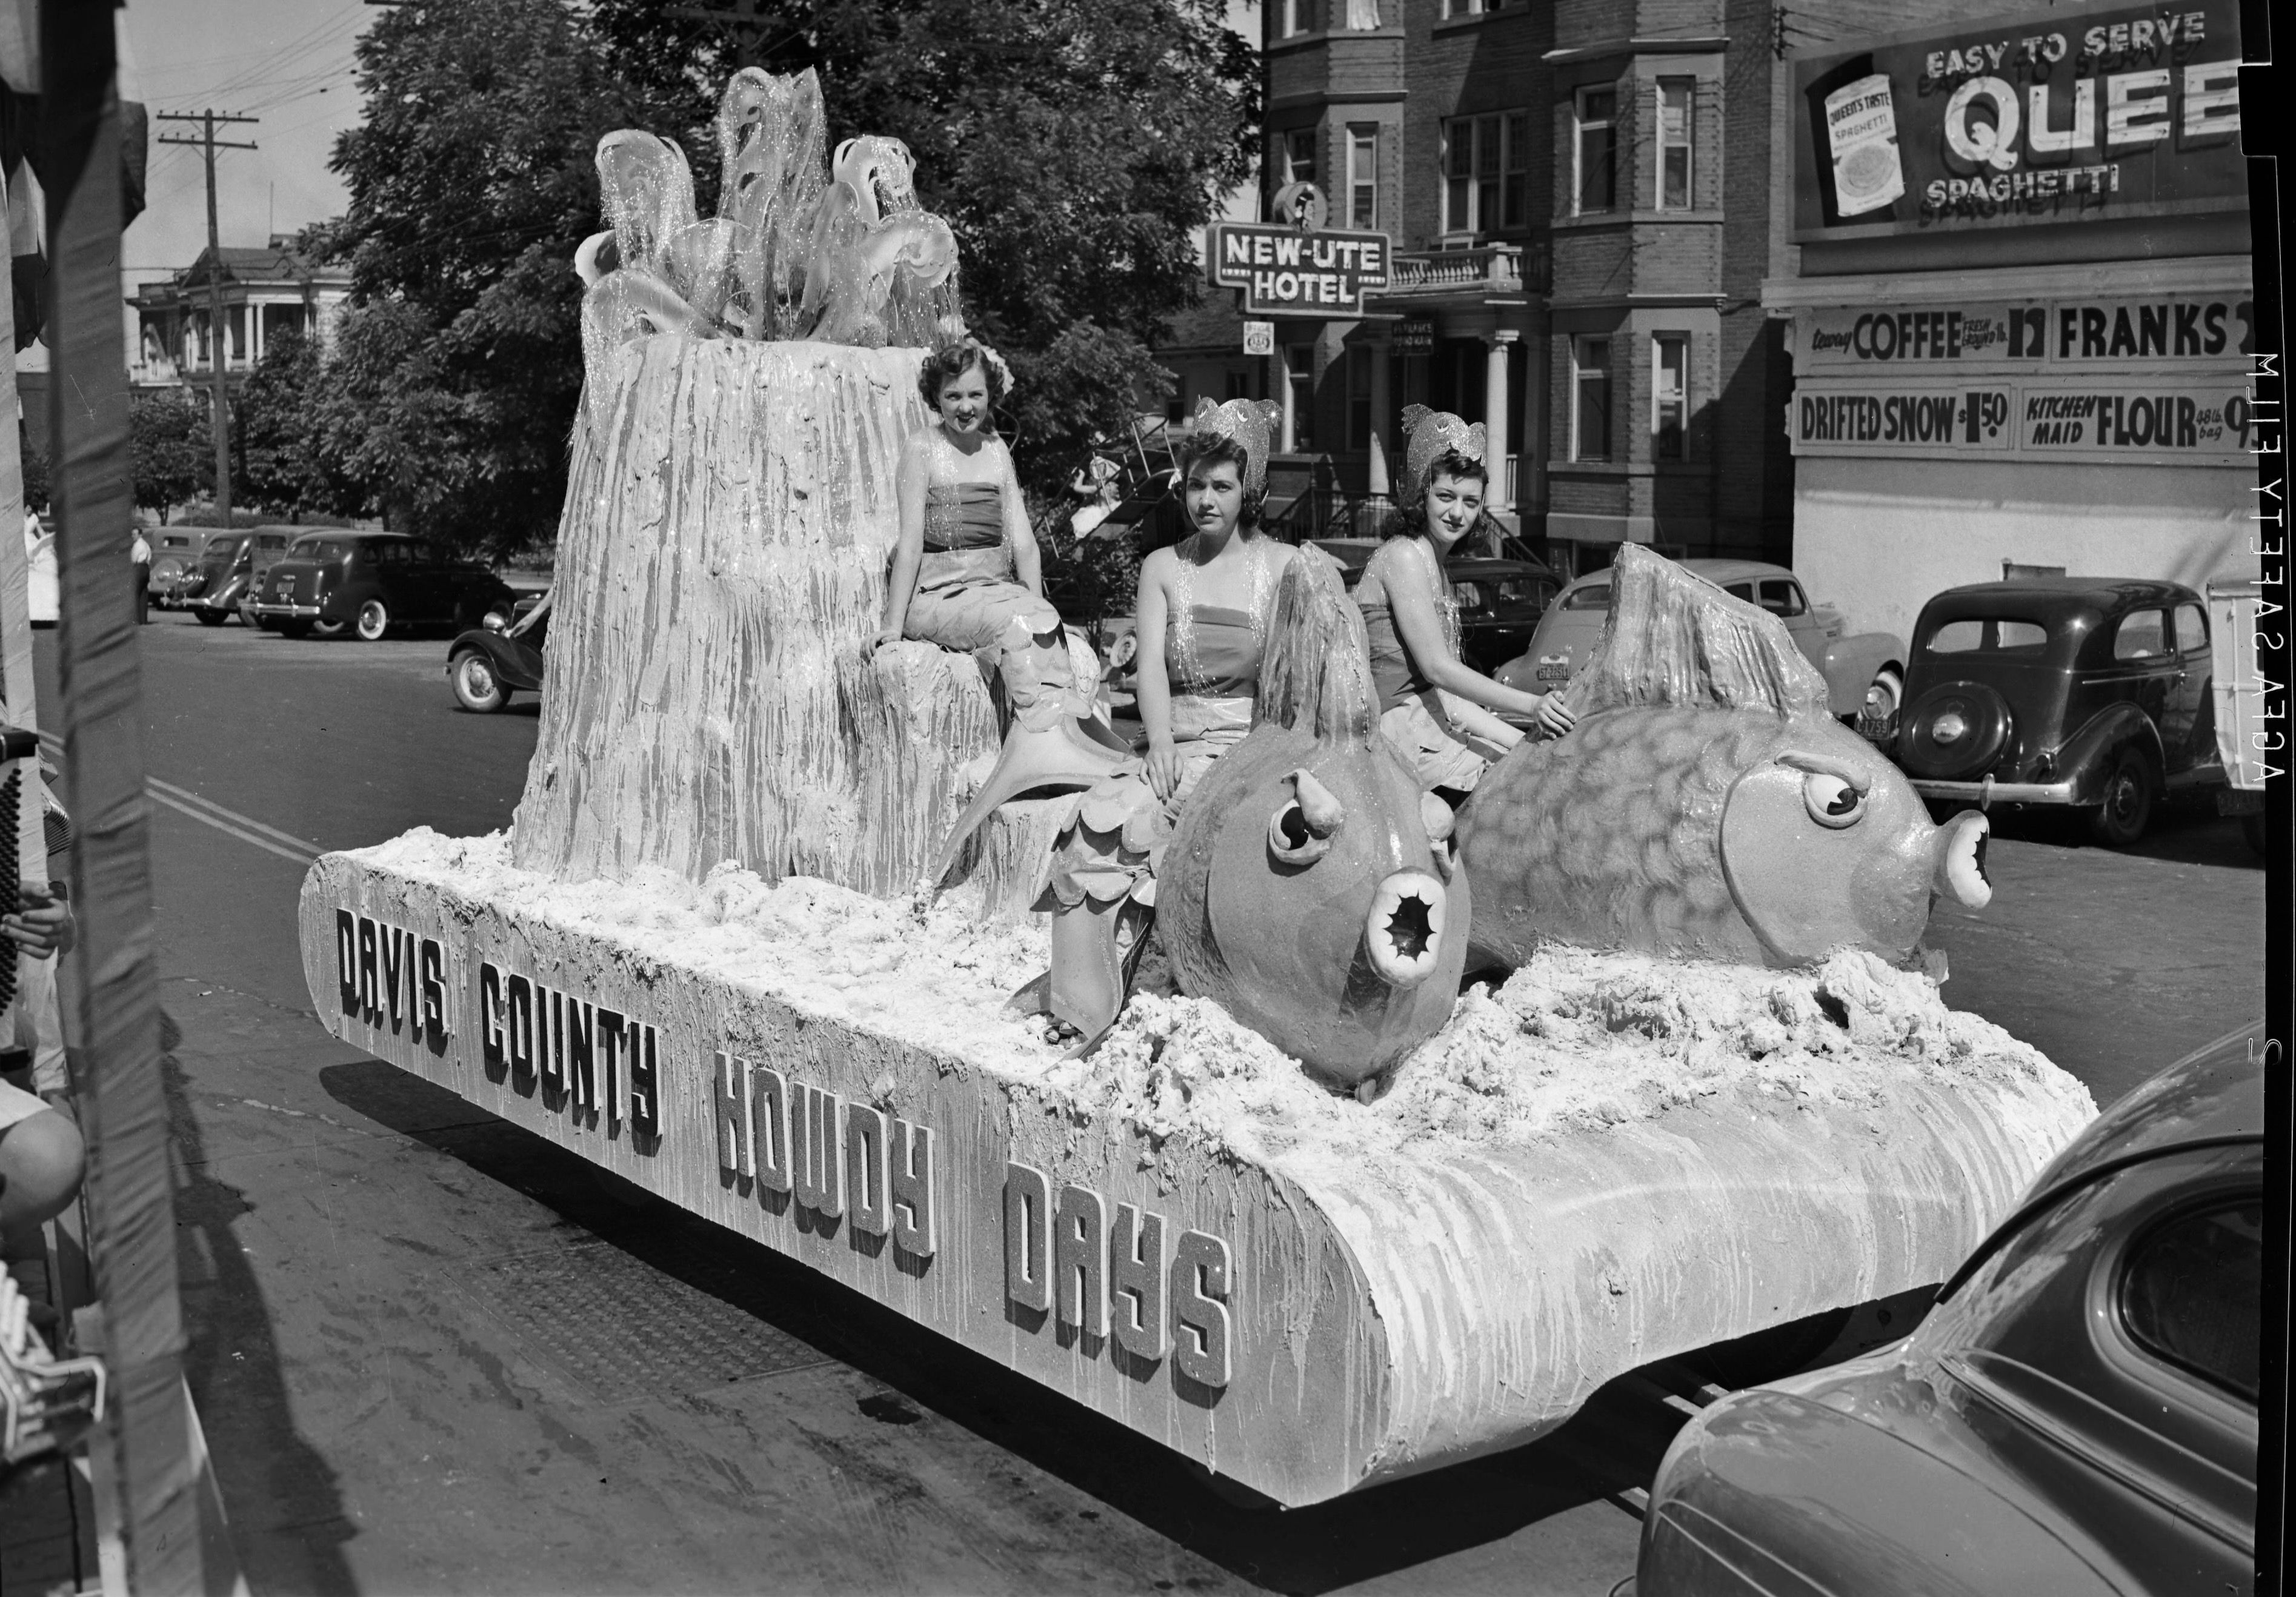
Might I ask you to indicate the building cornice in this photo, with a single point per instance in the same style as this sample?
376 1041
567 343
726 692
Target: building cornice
2193 273
1714 45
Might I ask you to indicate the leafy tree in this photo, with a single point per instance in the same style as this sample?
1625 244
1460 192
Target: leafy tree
283 463
170 450
472 184
1074 146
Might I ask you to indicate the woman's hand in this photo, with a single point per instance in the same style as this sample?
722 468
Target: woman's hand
41 926
1555 717
889 634
1163 767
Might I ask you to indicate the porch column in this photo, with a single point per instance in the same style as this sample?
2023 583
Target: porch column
1381 407
1530 494
1497 428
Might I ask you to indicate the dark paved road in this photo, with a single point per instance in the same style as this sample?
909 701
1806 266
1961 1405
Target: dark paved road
435 1353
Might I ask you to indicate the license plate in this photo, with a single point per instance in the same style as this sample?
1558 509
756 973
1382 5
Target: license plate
1553 673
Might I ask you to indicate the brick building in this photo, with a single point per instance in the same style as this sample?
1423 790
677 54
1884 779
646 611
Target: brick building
1586 197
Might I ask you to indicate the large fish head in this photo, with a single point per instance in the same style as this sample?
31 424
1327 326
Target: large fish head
1827 847
1309 888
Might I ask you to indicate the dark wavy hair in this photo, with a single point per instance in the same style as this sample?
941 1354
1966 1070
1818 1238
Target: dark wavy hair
953 357
1212 449
1411 520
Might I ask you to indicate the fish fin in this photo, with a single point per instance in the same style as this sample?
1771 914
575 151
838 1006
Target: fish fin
1315 673
1674 639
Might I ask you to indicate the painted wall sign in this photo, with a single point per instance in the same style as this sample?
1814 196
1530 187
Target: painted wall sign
2168 327
1291 272
1412 335
2060 119
2117 420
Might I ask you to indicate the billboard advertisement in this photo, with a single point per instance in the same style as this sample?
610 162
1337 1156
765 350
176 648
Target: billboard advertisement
2065 118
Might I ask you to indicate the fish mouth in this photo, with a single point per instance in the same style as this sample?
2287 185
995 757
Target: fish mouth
1961 859
1404 932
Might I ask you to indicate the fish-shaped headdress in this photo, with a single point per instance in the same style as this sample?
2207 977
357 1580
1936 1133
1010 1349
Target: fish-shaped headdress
1674 639
1250 423
1433 434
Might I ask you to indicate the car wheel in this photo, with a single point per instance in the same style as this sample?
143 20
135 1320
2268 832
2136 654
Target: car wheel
211 617
2127 808
476 686
373 620
1877 717
293 628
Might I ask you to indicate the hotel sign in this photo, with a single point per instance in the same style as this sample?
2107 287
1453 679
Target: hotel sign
2058 119
1292 272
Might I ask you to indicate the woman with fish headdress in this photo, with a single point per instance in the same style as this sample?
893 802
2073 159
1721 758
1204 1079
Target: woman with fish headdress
1203 612
1434 707
966 575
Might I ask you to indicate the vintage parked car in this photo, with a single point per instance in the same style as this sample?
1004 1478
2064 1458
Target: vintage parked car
1500 597
489 662
175 556
1864 672
2091 693
228 570
367 582
2076 1414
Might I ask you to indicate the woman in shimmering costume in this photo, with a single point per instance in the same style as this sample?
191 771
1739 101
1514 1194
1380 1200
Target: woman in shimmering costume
966 576
1437 709
1204 605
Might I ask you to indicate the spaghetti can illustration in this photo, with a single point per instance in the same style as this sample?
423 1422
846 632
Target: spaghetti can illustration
1861 124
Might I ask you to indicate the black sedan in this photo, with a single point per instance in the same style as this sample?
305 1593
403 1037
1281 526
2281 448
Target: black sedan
2089 692
367 583
2078 1413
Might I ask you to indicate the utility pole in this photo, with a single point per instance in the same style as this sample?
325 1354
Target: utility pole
217 341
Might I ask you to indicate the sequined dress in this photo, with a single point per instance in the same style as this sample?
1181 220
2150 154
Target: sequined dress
1113 843
1412 710
965 594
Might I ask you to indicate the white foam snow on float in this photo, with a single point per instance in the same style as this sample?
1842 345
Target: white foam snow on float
697 962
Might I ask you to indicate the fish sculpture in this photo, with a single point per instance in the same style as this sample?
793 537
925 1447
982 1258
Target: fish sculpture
1308 886
1706 804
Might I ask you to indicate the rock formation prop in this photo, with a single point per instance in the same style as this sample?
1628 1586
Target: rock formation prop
1706 804
1307 886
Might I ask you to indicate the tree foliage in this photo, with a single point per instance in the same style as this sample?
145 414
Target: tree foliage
282 461
169 451
1075 147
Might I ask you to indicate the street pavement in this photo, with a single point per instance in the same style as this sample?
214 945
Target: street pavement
435 1353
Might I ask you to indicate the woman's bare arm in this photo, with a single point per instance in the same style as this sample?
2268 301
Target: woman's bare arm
909 546
1411 600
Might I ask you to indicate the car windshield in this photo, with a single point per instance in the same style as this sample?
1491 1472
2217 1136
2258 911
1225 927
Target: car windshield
1594 595
2194 1292
1988 634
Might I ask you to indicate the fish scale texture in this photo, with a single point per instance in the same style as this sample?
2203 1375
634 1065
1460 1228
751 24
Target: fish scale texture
1614 835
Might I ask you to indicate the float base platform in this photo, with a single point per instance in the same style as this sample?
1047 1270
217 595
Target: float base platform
1320 1298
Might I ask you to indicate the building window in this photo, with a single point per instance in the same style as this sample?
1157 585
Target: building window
1595 185
1299 398
1669 395
1359 359
1297 154
1239 385
1363 176
1590 399
1487 173
1476 8
1676 98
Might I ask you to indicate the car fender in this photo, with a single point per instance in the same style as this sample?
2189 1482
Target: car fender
1850 664
517 665
2085 756
1769 1492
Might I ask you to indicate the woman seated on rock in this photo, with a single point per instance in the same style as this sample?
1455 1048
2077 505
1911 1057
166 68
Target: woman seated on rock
1204 604
1436 708
966 576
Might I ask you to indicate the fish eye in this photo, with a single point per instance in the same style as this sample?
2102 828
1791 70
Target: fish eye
1832 802
1289 839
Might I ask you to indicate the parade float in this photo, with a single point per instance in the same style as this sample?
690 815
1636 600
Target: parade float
1280 1221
